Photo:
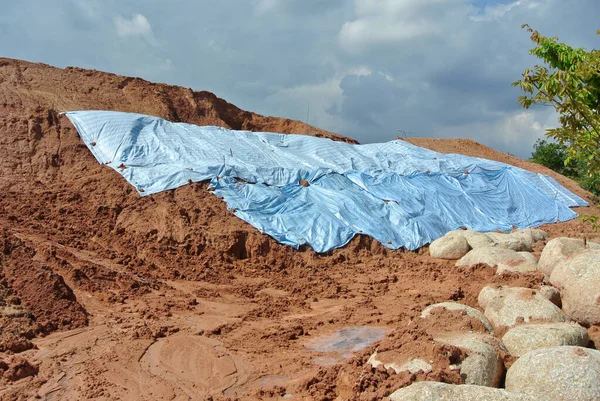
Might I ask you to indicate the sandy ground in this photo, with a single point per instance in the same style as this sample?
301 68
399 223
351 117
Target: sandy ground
108 296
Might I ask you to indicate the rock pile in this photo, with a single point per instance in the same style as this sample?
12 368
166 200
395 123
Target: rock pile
458 243
542 330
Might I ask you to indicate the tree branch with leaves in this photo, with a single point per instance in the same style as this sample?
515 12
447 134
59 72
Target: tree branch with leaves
569 81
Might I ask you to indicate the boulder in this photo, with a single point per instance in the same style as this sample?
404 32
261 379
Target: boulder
427 391
516 267
528 337
475 238
487 294
558 373
508 306
552 293
454 306
520 240
512 241
558 250
505 259
412 366
531 235
482 366
529 256
579 281
573 266
449 247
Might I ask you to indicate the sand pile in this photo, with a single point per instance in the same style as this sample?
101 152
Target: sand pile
99 288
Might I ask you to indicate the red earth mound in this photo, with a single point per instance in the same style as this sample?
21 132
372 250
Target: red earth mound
107 295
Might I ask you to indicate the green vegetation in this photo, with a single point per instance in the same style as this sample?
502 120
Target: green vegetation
569 81
554 156
551 155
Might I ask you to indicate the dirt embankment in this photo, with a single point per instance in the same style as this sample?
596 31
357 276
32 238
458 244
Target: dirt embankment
136 281
26 86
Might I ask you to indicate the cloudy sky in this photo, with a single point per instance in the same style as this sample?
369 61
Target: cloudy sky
434 68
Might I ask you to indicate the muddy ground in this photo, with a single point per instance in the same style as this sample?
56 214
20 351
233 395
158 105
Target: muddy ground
105 295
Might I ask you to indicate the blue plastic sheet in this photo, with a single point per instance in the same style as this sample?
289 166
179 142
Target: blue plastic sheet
400 194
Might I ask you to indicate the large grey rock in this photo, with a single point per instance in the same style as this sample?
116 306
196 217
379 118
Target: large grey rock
508 306
579 281
520 240
429 391
512 241
552 293
558 250
388 360
573 266
558 373
531 235
528 337
482 366
475 238
454 306
529 256
517 267
487 294
505 259
449 247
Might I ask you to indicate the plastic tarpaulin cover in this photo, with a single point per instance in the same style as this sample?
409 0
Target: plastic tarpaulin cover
400 194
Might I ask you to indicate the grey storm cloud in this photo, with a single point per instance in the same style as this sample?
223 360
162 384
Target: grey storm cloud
363 68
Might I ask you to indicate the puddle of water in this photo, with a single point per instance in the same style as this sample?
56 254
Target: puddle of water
271 380
348 339
344 342
330 360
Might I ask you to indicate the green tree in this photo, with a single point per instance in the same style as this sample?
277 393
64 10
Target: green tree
550 154
569 81
554 156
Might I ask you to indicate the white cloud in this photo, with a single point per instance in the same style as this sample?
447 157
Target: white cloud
89 8
263 6
319 98
396 8
515 133
523 126
359 70
357 34
496 11
394 21
166 65
137 26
